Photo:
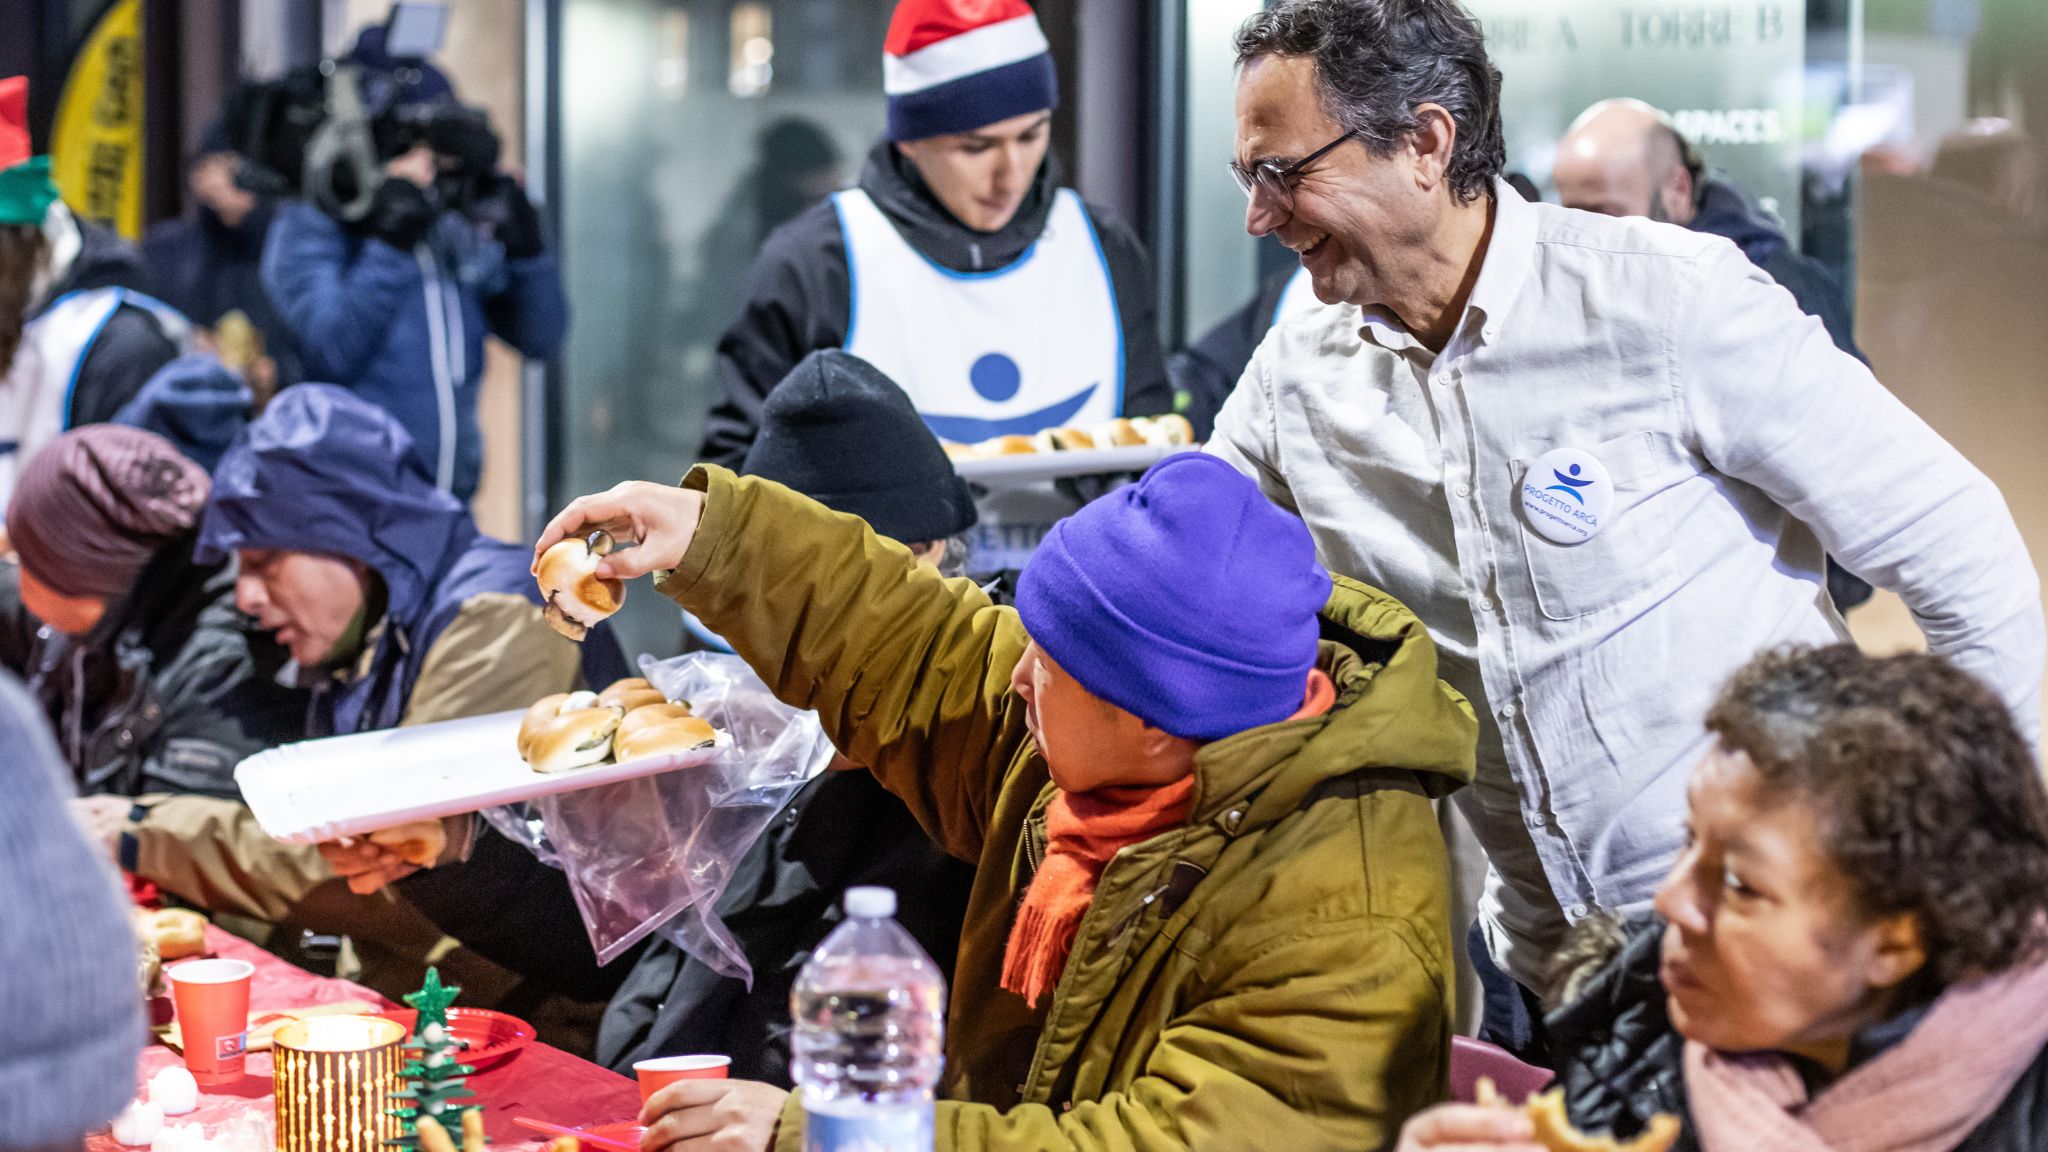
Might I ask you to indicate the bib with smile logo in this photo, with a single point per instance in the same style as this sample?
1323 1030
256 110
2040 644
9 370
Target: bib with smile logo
1033 345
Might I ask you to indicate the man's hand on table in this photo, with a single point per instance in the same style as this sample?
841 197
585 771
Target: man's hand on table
102 819
660 519
386 856
712 1116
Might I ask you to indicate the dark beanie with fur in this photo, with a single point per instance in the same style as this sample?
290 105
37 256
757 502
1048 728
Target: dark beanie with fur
839 431
94 506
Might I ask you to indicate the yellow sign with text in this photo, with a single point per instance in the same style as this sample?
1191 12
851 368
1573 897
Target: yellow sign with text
96 148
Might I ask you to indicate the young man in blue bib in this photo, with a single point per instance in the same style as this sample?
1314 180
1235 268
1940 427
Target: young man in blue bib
959 267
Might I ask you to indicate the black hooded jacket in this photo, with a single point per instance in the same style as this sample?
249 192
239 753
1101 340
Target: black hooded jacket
1620 1061
170 692
800 297
206 268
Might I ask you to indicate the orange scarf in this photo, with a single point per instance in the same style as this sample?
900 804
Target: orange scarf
1084 830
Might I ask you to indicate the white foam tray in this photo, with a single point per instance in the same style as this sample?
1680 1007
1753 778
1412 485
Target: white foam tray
1030 468
319 790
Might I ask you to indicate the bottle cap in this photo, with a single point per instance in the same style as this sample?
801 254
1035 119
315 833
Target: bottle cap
870 903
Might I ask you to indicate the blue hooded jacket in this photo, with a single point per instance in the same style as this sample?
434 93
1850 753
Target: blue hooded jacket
405 330
325 471
195 402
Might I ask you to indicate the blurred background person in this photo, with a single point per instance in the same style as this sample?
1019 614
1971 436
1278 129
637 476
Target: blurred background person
394 304
1994 157
995 298
71 998
78 336
1850 951
209 263
1624 158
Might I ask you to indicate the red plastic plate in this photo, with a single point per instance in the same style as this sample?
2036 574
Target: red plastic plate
491 1036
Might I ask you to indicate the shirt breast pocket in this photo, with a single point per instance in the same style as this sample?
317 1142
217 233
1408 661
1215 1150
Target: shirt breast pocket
1629 557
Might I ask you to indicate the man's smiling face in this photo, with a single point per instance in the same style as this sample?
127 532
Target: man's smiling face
1353 212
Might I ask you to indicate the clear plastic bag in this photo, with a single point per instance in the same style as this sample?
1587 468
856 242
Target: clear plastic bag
655 854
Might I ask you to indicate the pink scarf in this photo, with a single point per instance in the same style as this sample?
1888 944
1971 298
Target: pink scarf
1926 1094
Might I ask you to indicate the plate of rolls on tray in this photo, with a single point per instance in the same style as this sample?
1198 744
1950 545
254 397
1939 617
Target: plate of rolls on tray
343 786
1121 445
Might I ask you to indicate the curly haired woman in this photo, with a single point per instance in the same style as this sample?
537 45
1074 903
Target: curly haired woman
1850 953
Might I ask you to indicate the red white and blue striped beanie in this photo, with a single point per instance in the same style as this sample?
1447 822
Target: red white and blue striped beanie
957 65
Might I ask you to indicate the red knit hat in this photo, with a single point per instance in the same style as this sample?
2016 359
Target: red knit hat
14 146
956 65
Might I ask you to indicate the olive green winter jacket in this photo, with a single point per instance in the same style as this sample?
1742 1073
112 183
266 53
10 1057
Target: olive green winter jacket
1275 974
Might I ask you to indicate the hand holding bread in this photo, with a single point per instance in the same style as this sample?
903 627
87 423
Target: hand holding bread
659 518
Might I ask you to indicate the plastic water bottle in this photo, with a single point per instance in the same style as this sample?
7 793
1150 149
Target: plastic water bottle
869 1041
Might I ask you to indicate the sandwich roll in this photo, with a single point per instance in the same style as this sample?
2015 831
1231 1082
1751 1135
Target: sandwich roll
1062 440
545 709
577 600
1169 431
630 693
670 738
1007 446
575 739
1117 433
647 715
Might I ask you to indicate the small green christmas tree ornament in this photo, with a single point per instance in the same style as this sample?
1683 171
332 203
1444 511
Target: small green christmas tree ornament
435 1082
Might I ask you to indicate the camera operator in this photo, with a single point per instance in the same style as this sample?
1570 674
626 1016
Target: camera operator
393 301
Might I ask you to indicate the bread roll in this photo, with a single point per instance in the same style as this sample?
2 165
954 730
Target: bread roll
1062 440
546 709
1007 446
668 738
645 715
957 452
628 694
1169 431
576 599
175 933
575 739
1117 433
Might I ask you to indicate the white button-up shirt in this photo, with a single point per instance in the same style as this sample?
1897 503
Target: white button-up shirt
1741 446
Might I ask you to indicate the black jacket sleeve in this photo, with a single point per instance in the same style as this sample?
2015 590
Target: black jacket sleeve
1818 295
799 299
516 912
128 352
1147 391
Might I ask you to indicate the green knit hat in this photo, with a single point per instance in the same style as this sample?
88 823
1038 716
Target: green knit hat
26 192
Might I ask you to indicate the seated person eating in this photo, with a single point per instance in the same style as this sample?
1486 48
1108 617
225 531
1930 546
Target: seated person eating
1211 908
1849 953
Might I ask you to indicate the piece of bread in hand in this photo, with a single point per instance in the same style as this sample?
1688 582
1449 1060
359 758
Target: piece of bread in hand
671 737
1555 1132
576 599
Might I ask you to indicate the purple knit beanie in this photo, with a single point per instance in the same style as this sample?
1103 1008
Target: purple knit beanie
1187 599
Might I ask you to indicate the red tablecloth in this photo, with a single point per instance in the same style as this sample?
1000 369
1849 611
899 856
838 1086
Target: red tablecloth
542 1082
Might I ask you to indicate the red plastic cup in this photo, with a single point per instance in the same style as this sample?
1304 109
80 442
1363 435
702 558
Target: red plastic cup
212 997
663 1071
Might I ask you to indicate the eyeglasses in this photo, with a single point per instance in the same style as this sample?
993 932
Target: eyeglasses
1276 179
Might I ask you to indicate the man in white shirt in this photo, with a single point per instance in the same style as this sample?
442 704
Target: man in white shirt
1601 458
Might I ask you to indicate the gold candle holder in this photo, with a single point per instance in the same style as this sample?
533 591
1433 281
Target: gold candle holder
334 1077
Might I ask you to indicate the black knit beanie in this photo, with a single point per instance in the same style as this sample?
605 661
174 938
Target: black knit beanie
839 431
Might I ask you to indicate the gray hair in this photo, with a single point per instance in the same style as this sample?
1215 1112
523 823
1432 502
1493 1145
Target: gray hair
1379 60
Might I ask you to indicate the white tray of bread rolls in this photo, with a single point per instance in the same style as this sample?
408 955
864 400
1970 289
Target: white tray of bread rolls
320 790
1120 445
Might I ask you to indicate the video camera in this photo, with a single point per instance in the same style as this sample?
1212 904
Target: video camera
326 131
